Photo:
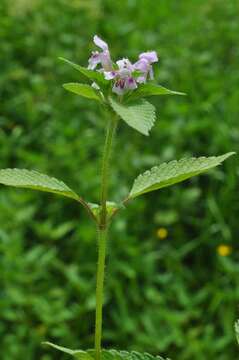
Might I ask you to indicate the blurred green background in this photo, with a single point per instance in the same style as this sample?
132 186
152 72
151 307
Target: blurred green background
169 289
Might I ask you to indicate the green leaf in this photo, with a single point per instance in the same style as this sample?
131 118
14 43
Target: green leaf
237 330
83 90
140 115
34 180
105 354
173 172
151 89
90 74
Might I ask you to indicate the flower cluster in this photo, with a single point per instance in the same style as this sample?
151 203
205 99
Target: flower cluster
125 75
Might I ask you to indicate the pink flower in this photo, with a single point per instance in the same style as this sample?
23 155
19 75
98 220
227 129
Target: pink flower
144 65
124 80
123 85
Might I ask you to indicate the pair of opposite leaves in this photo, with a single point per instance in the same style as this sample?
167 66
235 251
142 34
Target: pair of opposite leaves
137 113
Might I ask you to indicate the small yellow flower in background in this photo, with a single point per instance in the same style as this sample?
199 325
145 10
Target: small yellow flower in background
162 233
224 250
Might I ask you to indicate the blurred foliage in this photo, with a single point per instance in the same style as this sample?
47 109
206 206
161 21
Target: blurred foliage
172 294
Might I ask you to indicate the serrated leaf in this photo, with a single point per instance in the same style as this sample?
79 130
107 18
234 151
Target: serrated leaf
173 172
93 75
151 89
140 115
23 178
237 330
83 90
105 354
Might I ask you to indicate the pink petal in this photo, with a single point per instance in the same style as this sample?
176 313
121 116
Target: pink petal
94 60
130 84
125 64
100 43
109 75
141 79
106 60
119 87
142 65
150 56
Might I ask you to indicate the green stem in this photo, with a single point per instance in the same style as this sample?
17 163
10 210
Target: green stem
111 127
102 235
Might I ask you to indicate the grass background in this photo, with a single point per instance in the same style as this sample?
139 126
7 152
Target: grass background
177 296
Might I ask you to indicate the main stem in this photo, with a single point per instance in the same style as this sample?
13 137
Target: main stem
111 127
102 235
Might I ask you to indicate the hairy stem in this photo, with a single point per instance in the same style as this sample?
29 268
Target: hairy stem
102 235
111 127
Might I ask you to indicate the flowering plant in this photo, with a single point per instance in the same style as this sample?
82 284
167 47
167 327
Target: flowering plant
120 88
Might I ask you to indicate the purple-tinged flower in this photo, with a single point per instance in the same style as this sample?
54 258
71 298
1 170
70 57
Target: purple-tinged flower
144 65
123 85
102 57
124 78
118 87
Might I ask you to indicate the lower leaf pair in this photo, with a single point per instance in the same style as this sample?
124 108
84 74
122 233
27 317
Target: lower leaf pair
166 174
105 354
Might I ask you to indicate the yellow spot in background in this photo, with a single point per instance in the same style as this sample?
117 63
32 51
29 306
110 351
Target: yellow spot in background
224 250
162 233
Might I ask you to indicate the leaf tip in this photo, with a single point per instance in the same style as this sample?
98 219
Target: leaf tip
227 155
61 58
178 93
66 85
46 343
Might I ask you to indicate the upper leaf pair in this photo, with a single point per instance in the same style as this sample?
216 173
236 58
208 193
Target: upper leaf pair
137 113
